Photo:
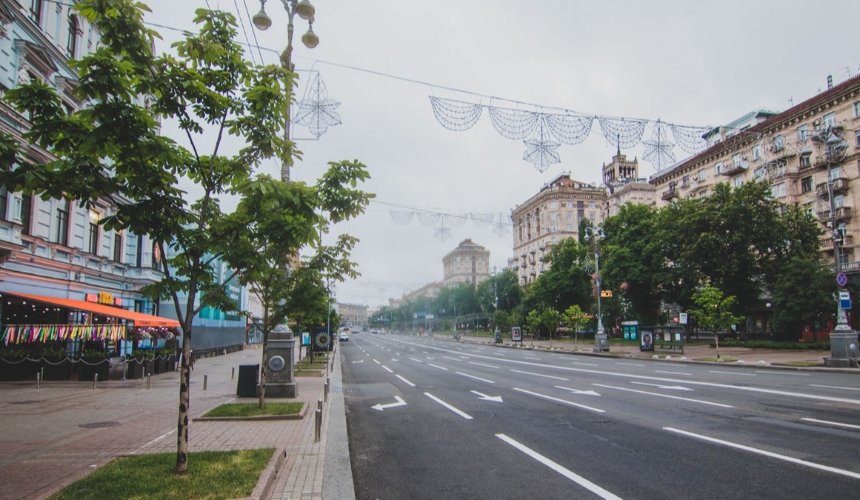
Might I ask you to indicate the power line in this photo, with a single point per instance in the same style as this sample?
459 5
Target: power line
244 33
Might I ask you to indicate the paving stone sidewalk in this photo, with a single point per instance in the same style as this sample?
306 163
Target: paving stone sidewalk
60 433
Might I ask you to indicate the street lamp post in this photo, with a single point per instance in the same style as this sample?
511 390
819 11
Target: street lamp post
262 21
601 342
497 335
843 339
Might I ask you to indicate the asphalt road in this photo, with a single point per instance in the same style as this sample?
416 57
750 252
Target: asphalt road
430 418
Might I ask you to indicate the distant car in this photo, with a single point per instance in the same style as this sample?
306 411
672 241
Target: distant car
343 336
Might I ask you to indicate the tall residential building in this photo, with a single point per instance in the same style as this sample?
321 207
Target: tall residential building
550 216
352 315
468 263
790 151
621 178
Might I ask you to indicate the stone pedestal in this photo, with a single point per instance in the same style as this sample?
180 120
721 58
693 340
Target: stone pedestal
601 342
280 382
841 352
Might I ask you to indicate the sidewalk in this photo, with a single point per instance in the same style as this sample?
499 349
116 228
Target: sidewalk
56 435
703 353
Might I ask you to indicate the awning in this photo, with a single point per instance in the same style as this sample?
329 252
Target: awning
139 319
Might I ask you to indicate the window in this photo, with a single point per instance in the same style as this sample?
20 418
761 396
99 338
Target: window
835 173
718 168
756 152
117 246
4 199
737 181
738 161
63 223
759 173
857 109
857 138
805 160
685 181
809 208
806 184
778 143
701 176
74 33
778 190
94 232
838 201
803 133
36 11
24 212
829 120
139 249
156 256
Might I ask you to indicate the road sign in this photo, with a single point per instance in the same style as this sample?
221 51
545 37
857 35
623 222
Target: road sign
842 279
844 300
682 318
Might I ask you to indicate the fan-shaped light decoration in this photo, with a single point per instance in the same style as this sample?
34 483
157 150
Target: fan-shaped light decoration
568 128
429 219
502 227
513 123
317 111
689 139
453 220
623 132
455 115
482 221
541 153
401 217
659 150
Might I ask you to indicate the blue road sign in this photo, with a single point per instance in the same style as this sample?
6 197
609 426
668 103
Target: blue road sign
842 279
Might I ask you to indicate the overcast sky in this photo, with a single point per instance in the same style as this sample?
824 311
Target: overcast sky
697 63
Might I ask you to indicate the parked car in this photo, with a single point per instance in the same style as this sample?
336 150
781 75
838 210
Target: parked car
343 336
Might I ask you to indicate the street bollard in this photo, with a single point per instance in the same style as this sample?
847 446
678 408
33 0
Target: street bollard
318 426
38 381
326 389
95 380
205 380
42 372
319 404
148 381
233 373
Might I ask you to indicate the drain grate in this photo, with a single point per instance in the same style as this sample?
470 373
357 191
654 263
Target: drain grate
351 389
99 425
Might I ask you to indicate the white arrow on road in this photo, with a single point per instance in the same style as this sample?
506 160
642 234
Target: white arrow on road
381 407
497 399
673 387
577 391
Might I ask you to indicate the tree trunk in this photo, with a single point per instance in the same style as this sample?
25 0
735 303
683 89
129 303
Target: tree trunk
184 404
263 369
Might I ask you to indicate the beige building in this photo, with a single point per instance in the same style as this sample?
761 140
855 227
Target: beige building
351 315
622 179
548 217
789 150
468 263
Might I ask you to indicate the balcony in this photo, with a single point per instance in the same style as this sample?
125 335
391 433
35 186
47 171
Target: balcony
847 241
668 195
840 185
734 168
841 213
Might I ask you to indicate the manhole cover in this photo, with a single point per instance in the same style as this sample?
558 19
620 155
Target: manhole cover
98 425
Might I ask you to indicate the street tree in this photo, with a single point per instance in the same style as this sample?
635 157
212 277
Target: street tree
114 150
713 311
575 318
543 320
802 295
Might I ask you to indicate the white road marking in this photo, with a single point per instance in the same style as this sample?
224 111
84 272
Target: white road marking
734 373
437 366
482 364
377 362
836 387
446 405
577 391
403 379
558 400
474 377
585 483
673 387
359 361
452 359
782 372
481 395
652 378
416 360
382 407
673 373
583 364
665 396
531 356
540 375
628 364
394 360
798 461
837 424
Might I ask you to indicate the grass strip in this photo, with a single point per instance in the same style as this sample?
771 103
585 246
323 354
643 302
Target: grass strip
254 410
211 475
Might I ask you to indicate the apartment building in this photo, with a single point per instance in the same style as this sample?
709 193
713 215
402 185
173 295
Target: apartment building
468 263
621 178
550 216
808 154
352 315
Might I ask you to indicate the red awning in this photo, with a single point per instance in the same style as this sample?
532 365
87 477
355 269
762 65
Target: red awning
139 319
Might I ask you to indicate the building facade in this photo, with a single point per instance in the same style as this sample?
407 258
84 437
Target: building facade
352 315
621 178
810 155
548 217
468 263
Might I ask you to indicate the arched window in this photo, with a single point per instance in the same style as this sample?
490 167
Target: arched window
74 32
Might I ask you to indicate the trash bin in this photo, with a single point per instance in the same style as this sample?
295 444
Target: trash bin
248 380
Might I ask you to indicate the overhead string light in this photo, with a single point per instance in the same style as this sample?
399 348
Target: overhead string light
443 222
317 111
544 132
